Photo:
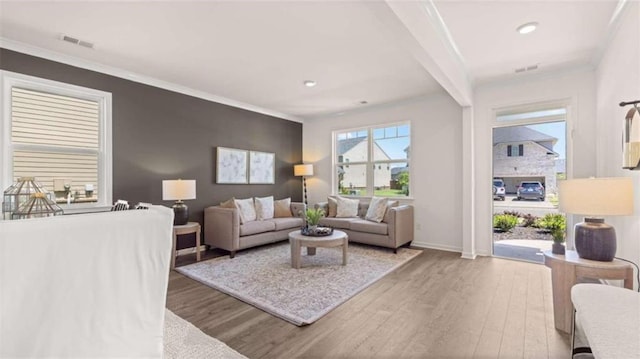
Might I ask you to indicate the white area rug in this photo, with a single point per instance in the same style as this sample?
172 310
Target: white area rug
263 277
182 340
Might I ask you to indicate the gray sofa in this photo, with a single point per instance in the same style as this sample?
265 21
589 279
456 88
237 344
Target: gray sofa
395 230
222 228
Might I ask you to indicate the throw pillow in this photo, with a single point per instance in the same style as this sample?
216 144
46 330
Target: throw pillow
386 213
264 207
282 208
347 207
333 206
246 209
377 209
228 203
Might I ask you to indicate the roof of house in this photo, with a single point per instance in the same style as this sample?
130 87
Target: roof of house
346 145
519 134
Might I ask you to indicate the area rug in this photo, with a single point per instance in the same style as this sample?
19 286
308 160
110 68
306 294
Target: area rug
182 340
263 277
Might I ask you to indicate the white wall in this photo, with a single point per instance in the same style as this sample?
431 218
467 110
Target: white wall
618 79
436 170
577 87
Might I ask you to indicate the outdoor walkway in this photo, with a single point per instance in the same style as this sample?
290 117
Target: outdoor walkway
522 249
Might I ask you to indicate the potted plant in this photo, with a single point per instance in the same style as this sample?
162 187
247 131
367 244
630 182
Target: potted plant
312 217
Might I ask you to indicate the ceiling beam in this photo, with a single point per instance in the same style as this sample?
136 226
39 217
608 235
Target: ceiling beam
419 25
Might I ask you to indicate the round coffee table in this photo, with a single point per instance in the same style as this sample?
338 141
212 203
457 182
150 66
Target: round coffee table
298 240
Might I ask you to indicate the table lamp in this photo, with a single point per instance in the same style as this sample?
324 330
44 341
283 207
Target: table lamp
304 171
179 190
593 198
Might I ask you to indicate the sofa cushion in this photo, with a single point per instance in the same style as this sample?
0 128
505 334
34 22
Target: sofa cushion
332 204
247 209
282 208
347 207
264 207
377 209
230 203
362 225
287 223
340 223
255 227
387 214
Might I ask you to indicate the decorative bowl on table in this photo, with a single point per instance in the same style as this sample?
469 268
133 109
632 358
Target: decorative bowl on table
317 231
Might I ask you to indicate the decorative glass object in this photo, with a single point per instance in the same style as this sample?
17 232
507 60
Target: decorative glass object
26 199
39 205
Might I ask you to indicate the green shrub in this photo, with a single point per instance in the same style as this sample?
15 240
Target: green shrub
556 224
505 222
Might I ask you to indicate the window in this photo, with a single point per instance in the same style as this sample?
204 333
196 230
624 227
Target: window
373 161
515 151
59 134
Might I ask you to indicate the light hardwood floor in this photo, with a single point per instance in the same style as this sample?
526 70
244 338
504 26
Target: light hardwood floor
436 306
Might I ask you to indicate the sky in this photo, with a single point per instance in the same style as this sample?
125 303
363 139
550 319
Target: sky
557 130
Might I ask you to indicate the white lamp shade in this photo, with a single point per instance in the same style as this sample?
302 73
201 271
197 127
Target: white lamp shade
596 196
303 170
173 190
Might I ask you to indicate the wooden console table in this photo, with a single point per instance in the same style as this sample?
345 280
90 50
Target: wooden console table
566 271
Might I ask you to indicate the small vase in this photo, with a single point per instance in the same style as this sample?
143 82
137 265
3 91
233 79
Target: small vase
313 228
557 248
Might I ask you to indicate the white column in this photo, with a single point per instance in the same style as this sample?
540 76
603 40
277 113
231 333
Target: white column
468 183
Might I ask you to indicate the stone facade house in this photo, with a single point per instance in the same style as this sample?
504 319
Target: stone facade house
354 176
523 154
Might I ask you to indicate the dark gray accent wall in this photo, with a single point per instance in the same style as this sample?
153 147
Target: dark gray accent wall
160 134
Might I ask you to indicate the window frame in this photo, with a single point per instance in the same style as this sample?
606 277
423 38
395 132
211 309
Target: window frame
8 80
370 177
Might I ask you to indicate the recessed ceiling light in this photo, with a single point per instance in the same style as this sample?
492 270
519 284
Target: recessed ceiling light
527 28
309 83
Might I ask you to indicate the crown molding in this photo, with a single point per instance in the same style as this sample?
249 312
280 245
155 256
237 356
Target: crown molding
128 75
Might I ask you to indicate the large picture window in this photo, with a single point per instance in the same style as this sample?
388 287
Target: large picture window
60 135
373 161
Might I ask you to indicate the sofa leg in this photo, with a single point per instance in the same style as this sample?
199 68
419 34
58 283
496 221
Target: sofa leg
232 254
395 251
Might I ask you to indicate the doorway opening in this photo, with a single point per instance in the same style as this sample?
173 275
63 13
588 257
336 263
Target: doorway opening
529 157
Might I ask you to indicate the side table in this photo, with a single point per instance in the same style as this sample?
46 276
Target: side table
565 272
190 227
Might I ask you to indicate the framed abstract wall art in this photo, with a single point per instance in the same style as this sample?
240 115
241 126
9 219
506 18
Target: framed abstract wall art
261 167
231 166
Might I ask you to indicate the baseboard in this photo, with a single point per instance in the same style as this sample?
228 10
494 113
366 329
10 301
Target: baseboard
439 247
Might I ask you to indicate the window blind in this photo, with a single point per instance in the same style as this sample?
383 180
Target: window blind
55 137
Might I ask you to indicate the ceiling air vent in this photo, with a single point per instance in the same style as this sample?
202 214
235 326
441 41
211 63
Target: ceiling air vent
75 41
526 69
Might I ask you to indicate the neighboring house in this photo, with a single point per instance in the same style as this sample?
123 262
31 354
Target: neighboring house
523 154
355 176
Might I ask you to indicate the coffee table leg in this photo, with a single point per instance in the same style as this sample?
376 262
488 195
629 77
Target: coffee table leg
295 254
311 251
345 247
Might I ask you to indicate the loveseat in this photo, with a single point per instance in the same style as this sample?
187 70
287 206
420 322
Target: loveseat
394 231
223 228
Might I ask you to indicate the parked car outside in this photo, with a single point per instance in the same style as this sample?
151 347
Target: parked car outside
498 189
530 190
